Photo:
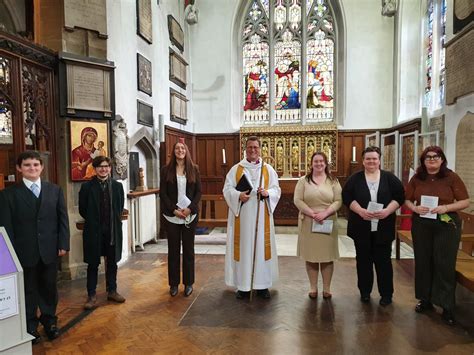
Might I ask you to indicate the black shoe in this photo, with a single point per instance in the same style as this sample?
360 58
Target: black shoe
188 290
36 335
173 290
265 294
365 298
423 306
52 332
448 317
385 301
240 295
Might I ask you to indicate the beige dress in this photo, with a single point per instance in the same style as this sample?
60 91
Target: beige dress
316 247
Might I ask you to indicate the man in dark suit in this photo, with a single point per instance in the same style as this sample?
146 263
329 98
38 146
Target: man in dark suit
101 203
35 216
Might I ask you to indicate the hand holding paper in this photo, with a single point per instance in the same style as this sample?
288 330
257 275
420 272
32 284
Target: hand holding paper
324 228
431 202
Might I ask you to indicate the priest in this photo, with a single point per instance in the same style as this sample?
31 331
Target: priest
263 193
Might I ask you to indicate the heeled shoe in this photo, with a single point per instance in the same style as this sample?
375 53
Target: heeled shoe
327 295
313 295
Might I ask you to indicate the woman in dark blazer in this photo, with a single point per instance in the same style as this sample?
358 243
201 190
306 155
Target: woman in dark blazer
180 193
373 231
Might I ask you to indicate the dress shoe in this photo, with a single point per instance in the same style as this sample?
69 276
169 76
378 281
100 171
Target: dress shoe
313 295
327 295
91 302
385 301
365 298
265 294
240 295
173 290
423 306
188 290
116 297
36 335
52 332
448 317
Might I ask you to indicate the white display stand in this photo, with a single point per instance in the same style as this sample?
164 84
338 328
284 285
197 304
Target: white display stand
14 338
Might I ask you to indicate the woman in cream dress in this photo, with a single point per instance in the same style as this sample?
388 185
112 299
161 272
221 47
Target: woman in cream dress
318 197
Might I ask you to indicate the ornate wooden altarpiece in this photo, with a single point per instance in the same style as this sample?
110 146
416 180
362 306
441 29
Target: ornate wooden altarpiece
289 148
27 103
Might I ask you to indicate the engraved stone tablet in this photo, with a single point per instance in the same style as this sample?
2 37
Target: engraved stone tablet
459 66
465 152
88 14
144 27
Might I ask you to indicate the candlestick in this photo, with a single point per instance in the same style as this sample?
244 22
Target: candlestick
353 153
223 156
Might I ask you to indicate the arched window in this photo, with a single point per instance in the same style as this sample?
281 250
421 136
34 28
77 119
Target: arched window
288 51
435 36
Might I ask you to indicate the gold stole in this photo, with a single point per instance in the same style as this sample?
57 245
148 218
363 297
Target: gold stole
268 245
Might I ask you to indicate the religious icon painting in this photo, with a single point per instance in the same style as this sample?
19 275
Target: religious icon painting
88 140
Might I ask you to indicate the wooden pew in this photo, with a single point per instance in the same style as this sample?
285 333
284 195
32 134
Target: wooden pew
213 211
465 258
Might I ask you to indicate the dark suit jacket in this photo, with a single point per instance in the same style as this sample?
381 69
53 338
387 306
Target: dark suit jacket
169 194
35 231
89 204
390 188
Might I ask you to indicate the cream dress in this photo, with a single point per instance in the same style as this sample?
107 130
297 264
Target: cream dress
315 247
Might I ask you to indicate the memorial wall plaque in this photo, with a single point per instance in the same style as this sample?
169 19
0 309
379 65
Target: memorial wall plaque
465 152
176 33
178 110
463 14
460 65
144 20
90 14
144 114
86 87
178 68
144 75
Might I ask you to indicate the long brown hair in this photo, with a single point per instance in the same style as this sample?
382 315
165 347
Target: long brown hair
309 176
422 173
190 169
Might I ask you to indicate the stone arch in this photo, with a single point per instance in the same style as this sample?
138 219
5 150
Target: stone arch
143 139
465 152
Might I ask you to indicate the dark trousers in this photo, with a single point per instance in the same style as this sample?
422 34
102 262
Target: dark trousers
436 244
368 254
180 234
108 251
41 291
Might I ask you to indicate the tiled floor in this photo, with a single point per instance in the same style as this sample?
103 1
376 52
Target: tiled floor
286 240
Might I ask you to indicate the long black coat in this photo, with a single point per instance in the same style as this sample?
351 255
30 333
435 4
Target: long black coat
89 202
390 188
36 231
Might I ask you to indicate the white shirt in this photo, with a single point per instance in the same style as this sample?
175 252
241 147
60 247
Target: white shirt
28 183
181 182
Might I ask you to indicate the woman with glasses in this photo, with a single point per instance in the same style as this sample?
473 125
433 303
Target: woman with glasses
318 197
372 197
434 195
180 193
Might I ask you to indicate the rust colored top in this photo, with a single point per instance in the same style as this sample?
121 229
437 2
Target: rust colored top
448 189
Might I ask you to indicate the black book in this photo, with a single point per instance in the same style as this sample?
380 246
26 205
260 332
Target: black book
243 184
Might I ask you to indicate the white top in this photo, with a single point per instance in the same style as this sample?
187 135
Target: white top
181 182
373 189
28 183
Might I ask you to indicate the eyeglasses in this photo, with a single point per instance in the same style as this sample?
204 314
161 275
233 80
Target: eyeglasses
103 166
433 157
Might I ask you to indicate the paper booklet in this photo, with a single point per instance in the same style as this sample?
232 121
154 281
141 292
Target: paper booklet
374 207
430 202
183 202
325 228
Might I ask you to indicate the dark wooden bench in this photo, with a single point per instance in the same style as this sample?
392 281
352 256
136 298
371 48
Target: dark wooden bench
465 259
213 211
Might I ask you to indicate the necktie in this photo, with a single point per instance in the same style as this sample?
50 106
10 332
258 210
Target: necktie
35 189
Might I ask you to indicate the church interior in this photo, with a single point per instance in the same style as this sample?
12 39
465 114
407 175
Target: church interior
143 75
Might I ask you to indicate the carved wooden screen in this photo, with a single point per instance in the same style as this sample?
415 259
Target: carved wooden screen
27 106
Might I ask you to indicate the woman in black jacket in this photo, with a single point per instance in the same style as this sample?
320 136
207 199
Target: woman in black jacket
180 193
373 227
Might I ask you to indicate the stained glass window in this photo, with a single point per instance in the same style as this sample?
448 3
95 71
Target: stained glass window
286 51
442 68
429 52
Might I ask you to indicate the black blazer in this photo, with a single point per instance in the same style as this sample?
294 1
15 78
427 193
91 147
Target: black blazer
37 229
169 194
89 204
390 188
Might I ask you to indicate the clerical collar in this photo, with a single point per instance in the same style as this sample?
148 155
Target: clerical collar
254 162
